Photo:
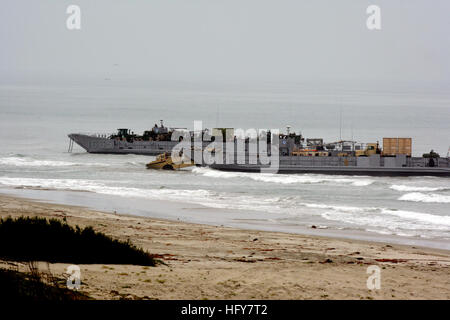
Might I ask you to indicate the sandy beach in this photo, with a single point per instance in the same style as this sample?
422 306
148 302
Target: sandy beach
209 262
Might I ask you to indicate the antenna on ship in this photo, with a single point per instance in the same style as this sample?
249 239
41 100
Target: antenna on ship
351 129
340 124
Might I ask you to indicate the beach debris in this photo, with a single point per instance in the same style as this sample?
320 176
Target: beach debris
391 260
165 256
114 292
313 227
243 259
326 261
256 239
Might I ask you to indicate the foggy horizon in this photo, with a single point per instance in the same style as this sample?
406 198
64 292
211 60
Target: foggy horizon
236 41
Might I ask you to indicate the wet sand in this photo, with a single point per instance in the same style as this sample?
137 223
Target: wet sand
213 262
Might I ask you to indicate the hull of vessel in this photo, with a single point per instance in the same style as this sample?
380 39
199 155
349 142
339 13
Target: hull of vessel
286 169
367 166
96 144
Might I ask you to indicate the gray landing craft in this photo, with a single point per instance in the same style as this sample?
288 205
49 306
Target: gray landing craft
296 154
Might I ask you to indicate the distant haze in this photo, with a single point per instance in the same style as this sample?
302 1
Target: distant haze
235 40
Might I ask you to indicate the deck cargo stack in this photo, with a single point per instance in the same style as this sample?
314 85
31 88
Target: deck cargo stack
395 146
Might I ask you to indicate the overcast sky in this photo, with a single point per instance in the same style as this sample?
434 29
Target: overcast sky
226 39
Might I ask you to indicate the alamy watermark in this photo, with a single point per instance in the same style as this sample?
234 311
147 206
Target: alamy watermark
228 146
374 280
373 22
74 278
73 22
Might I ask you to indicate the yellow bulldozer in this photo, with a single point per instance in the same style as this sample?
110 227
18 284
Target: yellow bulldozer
371 148
164 162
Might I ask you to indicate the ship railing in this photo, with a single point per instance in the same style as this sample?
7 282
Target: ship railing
96 134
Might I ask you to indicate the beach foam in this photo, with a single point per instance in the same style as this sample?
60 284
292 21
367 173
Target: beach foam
422 197
399 222
99 187
29 162
418 216
405 188
296 207
284 179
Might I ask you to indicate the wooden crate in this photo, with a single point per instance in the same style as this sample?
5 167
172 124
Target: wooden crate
394 146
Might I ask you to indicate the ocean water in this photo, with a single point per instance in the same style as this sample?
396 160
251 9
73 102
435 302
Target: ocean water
35 121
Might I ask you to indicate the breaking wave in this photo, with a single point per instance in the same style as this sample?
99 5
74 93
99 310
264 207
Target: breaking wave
425 217
284 179
341 208
389 220
294 208
405 188
98 187
26 162
422 197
